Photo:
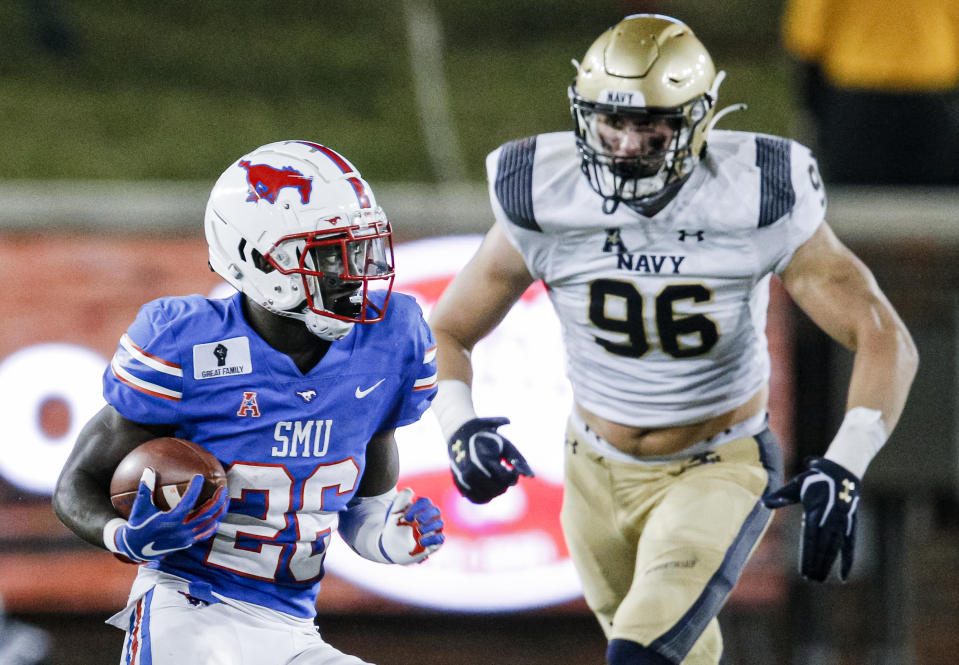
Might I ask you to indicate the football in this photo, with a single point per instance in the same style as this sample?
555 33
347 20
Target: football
175 462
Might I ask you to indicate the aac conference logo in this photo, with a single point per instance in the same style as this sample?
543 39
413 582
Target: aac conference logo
506 555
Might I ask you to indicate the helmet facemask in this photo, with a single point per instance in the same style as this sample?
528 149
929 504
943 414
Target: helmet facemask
637 155
336 269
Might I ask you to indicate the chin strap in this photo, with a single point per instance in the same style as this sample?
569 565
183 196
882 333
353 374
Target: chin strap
326 327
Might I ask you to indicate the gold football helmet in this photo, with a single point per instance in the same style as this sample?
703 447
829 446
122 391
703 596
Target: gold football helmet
642 103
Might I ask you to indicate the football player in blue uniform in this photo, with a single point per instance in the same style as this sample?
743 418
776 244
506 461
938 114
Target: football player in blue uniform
296 384
657 237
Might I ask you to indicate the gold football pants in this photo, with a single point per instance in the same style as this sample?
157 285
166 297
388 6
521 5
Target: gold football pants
659 547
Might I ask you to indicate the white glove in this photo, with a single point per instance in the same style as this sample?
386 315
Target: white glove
413 529
392 527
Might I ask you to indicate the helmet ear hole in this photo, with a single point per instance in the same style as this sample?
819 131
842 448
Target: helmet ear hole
260 262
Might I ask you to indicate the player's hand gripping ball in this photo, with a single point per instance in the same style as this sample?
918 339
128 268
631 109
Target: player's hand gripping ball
175 462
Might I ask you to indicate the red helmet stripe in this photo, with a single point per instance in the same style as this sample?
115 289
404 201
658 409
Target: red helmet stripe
345 167
336 157
360 190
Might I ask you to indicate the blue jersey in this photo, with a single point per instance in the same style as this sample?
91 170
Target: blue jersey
293 444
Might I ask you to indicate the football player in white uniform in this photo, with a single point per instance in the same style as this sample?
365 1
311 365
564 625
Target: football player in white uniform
656 237
295 383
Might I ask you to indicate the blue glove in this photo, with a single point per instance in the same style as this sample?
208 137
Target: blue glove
150 533
484 464
830 499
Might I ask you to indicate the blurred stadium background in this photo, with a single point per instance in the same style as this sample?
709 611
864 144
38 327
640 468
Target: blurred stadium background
116 118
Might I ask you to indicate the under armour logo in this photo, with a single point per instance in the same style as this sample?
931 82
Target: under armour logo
220 352
613 239
458 451
847 487
708 457
307 395
683 234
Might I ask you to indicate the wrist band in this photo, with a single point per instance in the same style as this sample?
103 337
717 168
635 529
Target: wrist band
109 531
859 438
453 405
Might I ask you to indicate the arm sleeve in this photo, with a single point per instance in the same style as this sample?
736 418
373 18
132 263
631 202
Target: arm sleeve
361 525
144 380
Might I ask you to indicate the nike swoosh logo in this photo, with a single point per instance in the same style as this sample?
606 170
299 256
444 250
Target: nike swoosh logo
149 551
360 394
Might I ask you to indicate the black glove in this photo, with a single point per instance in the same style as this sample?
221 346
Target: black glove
830 499
484 464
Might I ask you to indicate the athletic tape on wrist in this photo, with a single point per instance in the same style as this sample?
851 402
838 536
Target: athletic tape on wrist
109 533
859 438
453 405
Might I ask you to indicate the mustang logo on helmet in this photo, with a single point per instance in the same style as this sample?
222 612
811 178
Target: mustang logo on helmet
266 181
327 262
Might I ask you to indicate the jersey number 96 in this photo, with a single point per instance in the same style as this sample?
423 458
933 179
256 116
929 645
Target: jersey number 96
679 336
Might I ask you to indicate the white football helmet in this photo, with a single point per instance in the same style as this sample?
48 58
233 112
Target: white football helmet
647 71
295 227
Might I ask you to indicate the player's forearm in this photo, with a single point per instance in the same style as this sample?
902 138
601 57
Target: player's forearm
884 368
82 496
885 364
453 404
452 357
83 506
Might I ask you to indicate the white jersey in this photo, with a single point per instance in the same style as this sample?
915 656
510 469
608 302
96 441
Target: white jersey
663 318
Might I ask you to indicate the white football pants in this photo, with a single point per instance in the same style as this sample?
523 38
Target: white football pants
165 625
